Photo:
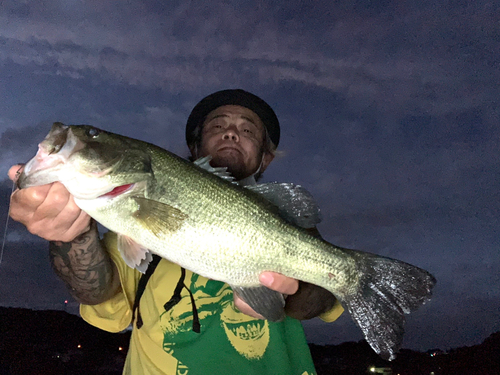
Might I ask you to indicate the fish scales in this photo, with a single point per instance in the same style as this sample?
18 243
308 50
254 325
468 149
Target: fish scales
236 233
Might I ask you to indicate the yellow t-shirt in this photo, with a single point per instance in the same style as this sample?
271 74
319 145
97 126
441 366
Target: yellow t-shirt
229 342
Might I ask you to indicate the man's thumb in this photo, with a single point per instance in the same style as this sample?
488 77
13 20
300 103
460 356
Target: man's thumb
15 171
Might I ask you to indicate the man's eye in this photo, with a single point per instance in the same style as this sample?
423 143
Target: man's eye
216 125
248 131
213 127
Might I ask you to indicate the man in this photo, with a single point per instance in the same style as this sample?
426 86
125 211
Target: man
182 322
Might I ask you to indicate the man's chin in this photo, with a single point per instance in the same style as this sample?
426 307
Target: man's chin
235 166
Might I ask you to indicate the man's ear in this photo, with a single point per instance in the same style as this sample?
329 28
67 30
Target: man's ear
194 151
266 160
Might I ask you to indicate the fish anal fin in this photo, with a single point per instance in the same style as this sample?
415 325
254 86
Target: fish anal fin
266 302
162 219
135 255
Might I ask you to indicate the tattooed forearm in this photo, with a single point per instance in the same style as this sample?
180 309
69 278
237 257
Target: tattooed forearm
85 267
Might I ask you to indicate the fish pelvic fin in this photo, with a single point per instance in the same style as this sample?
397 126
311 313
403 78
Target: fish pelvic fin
387 290
134 255
162 219
266 302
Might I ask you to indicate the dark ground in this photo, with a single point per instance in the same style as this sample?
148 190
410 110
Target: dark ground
58 343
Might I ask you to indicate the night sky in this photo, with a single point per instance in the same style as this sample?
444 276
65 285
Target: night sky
389 113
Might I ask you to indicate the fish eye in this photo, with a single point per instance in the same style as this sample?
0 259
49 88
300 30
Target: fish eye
93 132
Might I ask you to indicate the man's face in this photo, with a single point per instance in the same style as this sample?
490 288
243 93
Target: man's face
234 137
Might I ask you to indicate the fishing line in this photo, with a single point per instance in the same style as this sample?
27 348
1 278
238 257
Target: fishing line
6 225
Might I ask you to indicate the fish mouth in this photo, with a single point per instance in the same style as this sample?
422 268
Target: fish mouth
52 156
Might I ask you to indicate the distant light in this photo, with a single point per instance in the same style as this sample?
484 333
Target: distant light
66 301
120 348
372 369
79 346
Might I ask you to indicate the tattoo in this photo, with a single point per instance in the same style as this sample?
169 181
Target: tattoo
84 266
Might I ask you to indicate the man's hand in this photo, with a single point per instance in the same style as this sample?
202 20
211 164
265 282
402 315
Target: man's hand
48 211
309 302
274 281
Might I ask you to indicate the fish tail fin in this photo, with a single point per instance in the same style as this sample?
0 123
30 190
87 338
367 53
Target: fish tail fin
387 290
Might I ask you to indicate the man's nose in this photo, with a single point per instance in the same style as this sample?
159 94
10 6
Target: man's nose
231 133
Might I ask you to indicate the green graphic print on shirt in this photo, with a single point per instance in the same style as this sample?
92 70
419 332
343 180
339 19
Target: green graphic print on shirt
250 345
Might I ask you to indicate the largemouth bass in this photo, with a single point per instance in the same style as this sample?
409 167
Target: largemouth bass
158 202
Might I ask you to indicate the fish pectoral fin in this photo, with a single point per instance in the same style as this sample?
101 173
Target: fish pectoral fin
295 203
268 303
135 255
162 219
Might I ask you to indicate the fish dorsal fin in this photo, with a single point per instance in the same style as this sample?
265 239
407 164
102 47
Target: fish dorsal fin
204 163
296 204
135 255
160 218
250 180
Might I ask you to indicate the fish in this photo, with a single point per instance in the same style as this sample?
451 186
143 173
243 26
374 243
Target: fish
197 217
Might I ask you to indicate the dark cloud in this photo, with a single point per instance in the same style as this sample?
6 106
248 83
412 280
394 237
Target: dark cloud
14 140
27 278
395 55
